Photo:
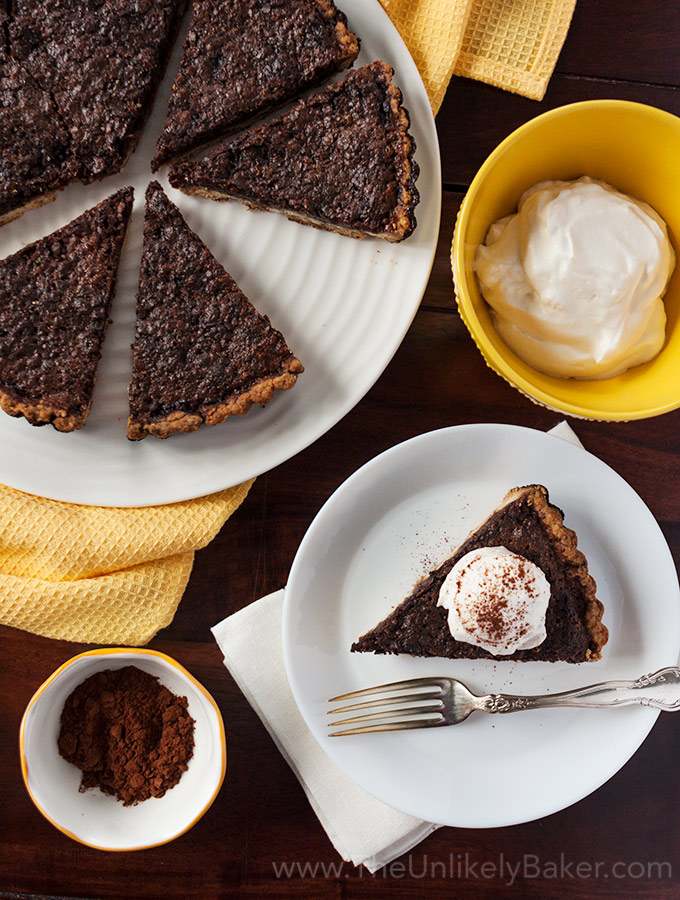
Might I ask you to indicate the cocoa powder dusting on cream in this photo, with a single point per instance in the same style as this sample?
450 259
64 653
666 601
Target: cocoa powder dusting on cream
490 610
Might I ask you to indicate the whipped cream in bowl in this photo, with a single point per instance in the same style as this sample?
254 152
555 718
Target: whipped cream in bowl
496 600
575 279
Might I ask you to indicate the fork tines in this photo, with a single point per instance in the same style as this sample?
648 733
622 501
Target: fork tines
422 709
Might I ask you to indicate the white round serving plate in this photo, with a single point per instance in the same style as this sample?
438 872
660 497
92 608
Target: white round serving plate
97 819
402 514
343 306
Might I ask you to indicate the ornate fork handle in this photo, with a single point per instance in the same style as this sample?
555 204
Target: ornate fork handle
660 690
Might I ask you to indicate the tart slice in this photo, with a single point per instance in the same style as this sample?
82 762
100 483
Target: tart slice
341 159
101 62
55 296
202 352
242 58
530 527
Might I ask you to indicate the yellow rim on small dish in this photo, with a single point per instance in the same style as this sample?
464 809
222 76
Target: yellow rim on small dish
104 651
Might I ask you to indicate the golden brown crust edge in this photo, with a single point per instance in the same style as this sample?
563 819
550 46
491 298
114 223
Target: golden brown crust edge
404 220
36 202
213 194
565 541
346 39
261 393
41 413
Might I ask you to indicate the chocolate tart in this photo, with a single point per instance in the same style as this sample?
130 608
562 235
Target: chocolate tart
55 297
243 58
202 352
340 159
527 524
101 61
77 80
35 148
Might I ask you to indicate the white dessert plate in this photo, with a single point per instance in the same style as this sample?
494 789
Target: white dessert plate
395 519
343 305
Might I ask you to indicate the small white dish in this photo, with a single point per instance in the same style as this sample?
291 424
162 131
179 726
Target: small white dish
97 819
395 519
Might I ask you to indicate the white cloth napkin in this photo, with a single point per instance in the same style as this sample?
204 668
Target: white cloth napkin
362 829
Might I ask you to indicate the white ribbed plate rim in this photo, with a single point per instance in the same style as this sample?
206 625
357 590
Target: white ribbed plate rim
343 305
395 519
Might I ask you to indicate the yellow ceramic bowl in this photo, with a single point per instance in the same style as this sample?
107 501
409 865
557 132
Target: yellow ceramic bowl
635 148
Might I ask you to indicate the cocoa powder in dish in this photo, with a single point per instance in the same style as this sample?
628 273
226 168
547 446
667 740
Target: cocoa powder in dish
128 734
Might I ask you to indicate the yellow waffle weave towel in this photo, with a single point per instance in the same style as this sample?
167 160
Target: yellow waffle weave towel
101 575
512 44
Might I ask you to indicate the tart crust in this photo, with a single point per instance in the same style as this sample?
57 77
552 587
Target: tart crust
187 422
41 413
18 211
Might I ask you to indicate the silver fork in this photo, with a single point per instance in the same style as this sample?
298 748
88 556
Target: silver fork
446 701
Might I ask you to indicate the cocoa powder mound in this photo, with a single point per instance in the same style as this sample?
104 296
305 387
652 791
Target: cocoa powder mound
128 734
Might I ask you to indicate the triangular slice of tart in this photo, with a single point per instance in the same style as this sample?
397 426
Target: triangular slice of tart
101 62
77 80
243 58
55 296
202 352
530 527
340 159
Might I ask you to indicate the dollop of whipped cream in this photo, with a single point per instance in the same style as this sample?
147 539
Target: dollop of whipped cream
496 600
575 279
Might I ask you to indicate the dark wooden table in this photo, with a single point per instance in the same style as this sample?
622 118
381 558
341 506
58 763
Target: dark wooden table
630 826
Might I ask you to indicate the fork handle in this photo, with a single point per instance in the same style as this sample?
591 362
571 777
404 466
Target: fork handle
661 690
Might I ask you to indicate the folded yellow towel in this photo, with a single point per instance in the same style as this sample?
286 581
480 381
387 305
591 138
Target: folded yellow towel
512 44
101 575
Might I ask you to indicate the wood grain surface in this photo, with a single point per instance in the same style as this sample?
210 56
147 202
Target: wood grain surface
621 841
